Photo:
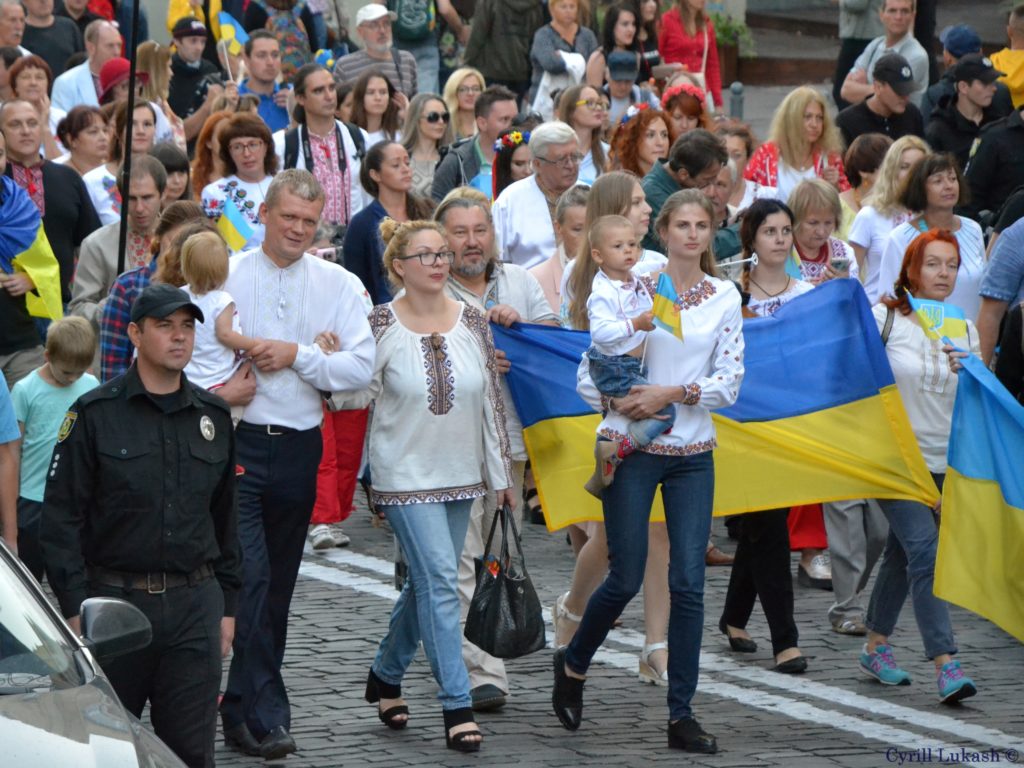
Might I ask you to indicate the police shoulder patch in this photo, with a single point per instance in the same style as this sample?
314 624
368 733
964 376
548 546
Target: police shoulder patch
66 426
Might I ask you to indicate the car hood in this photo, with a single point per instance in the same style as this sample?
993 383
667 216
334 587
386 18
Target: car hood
82 727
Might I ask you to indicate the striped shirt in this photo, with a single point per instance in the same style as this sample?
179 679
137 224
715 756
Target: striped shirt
349 68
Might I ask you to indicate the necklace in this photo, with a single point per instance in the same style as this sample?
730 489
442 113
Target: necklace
769 294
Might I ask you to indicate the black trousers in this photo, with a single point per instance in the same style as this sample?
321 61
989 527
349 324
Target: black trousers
275 503
179 673
849 49
30 513
761 571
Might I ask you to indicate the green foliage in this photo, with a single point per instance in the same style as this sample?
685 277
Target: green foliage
735 32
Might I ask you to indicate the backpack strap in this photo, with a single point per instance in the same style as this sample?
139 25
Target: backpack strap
291 148
890 316
357 139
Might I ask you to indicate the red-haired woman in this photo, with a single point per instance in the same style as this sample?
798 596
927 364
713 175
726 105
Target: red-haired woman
641 140
925 369
247 152
684 105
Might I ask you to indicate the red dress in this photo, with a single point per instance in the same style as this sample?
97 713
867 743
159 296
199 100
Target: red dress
675 45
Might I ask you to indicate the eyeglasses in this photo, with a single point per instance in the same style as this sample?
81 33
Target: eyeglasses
428 259
462 90
592 104
244 147
564 162
433 117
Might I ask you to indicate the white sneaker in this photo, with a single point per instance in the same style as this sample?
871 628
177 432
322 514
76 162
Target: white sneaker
321 537
341 539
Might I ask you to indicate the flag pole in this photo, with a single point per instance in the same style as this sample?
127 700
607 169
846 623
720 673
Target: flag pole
126 166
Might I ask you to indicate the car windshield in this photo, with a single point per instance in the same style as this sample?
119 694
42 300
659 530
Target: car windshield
34 653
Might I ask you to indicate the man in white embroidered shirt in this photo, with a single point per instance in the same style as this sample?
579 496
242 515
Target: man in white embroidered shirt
286 298
508 294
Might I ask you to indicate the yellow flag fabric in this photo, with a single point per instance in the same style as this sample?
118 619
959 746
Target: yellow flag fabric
39 263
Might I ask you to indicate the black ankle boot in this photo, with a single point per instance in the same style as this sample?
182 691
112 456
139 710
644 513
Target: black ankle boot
567 695
686 734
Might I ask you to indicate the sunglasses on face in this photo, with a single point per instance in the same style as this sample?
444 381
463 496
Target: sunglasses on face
434 117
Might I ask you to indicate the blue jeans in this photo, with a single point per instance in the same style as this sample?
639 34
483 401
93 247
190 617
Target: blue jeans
908 566
431 536
614 376
687 488
428 63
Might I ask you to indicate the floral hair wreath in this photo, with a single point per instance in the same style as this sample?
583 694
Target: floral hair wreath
682 88
633 111
511 140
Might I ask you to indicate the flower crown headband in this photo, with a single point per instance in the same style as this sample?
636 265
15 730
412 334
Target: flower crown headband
676 90
633 111
511 140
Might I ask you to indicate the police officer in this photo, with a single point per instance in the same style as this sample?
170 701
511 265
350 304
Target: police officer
140 504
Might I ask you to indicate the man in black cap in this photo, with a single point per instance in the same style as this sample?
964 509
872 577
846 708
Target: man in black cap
959 41
958 119
888 109
195 82
140 505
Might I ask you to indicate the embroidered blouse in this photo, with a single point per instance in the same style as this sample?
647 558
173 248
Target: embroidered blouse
247 197
611 307
763 167
707 362
438 429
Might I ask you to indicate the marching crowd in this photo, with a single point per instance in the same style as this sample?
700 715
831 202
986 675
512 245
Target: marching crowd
319 231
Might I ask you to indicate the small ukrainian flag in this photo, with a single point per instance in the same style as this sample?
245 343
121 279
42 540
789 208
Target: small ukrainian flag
232 33
233 226
666 313
940 320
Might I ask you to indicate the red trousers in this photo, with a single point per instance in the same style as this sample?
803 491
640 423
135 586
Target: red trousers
343 436
807 528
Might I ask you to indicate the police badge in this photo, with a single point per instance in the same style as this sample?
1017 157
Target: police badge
206 428
66 426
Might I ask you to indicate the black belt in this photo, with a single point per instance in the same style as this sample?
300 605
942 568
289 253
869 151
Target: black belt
155 583
267 429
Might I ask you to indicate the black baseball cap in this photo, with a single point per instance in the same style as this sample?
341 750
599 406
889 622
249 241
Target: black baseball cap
189 26
895 71
974 66
623 65
160 300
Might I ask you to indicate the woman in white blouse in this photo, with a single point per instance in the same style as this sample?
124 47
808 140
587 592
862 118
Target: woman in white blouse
925 372
935 187
435 384
246 150
696 374
881 211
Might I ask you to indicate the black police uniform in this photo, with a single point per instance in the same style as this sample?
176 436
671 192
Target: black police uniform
140 504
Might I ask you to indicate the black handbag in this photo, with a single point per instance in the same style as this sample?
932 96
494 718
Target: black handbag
504 616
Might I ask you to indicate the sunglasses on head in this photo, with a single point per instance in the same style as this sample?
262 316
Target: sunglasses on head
433 117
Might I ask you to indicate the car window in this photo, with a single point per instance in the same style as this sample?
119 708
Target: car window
34 653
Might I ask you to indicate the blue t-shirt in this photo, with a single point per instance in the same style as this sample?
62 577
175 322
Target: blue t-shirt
1004 278
274 116
41 407
9 431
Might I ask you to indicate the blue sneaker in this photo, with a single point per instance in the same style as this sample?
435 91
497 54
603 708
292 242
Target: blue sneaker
954 685
882 666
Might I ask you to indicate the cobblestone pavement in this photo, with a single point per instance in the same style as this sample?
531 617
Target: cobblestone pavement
832 716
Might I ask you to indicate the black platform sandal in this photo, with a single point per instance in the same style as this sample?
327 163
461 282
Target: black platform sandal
458 741
396 717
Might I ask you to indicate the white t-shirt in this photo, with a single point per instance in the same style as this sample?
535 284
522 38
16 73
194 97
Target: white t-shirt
870 230
212 363
972 263
753 190
790 178
588 172
247 197
106 199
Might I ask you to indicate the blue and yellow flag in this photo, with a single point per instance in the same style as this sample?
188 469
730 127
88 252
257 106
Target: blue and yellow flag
981 539
233 226
793 263
232 33
818 417
24 247
666 313
939 320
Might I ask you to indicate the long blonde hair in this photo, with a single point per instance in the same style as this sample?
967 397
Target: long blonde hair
450 95
152 58
611 194
885 195
787 131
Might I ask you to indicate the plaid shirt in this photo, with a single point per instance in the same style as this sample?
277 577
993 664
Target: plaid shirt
116 349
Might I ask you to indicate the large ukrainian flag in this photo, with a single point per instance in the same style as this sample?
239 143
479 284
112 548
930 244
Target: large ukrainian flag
818 417
981 538
25 248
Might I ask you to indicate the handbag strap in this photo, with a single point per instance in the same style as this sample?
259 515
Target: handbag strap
704 61
490 536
